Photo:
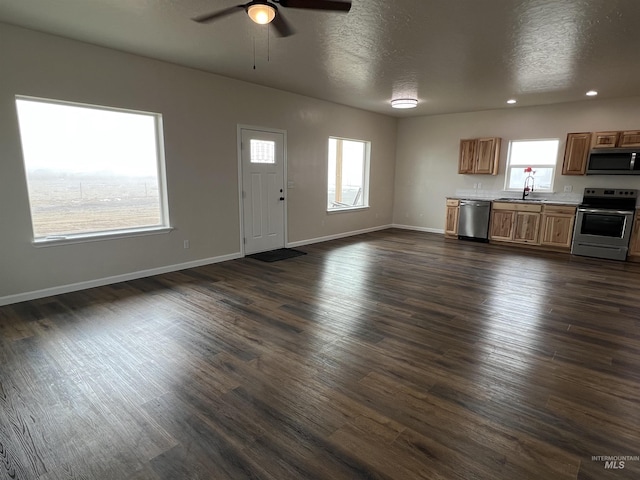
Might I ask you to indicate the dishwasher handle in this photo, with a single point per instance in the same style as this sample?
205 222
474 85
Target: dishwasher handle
470 203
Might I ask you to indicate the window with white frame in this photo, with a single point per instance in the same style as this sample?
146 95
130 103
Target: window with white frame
536 159
348 174
92 170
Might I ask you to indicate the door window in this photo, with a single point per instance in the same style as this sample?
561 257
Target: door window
603 225
263 151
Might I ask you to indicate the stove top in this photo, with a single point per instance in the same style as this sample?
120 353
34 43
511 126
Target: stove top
610 198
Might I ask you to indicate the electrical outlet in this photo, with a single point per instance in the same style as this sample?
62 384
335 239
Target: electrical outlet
186 244
568 188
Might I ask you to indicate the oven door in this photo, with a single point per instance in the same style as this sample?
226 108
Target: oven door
602 233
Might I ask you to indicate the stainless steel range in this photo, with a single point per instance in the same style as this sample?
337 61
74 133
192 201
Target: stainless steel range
604 222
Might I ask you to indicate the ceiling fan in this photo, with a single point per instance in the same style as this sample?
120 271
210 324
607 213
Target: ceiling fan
266 11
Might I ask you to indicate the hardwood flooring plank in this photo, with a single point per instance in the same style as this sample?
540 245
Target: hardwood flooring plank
393 354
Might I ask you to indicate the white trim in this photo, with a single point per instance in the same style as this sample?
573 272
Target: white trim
366 175
337 236
285 182
97 237
347 209
418 229
161 175
99 282
553 166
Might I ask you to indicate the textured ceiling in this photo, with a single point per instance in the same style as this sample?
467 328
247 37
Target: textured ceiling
453 55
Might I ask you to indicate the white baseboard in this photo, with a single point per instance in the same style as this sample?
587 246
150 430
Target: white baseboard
99 282
419 229
337 236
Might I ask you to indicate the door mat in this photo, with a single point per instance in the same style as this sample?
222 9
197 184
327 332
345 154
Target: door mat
275 255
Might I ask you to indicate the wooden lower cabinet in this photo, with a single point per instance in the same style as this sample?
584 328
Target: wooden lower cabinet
526 227
548 226
451 219
501 227
515 222
557 226
634 244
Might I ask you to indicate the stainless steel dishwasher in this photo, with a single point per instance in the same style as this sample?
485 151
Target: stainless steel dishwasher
473 223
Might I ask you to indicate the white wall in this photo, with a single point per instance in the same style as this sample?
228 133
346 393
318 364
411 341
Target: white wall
427 152
201 112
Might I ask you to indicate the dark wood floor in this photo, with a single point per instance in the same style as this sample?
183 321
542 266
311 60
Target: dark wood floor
392 355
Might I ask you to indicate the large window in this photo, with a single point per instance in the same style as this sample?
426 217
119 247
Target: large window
348 174
534 158
90 170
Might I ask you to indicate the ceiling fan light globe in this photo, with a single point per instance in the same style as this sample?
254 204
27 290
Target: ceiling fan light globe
261 14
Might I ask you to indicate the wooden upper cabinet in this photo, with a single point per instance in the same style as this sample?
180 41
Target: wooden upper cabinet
488 156
626 139
479 155
605 139
629 139
576 154
467 155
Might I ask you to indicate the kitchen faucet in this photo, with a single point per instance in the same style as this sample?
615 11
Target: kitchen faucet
528 184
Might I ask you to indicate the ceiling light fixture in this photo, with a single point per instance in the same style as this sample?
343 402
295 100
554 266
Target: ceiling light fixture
592 93
404 103
512 101
261 13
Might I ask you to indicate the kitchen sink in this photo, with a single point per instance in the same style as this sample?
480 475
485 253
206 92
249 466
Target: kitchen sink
512 199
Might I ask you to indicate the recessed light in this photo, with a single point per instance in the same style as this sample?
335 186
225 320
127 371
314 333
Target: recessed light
404 103
511 101
592 93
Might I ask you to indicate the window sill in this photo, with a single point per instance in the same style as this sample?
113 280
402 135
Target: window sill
347 209
97 237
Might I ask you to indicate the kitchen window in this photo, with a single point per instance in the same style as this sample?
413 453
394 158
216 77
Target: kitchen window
348 174
540 155
92 171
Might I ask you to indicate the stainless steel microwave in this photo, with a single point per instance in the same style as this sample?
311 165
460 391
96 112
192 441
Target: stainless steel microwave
614 161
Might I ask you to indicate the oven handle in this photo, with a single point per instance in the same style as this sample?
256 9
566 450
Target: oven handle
606 211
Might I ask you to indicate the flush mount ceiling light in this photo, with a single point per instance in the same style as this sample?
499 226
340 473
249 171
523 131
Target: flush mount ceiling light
512 101
404 103
591 93
261 13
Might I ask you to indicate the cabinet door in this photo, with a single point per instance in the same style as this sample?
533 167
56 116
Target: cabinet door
487 156
526 227
451 225
605 139
576 154
501 225
630 139
634 244
557 230
466 163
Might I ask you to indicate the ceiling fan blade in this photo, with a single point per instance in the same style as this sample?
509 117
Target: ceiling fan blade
283 28
317 4
219 14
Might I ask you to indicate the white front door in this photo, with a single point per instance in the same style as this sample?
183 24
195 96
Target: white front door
263 192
